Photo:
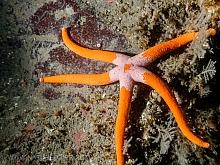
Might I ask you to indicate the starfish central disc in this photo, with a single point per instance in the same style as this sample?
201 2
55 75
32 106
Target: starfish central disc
127 67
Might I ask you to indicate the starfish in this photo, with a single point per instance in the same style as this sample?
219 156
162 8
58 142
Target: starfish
129 70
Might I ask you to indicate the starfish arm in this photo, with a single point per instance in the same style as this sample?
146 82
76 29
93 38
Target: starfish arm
145 76
161 49
160 86
121 121
100 55
89 79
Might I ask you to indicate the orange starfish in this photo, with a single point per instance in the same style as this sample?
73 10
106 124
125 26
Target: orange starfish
128 71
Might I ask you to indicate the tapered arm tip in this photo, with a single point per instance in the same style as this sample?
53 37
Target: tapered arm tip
212 32
41 79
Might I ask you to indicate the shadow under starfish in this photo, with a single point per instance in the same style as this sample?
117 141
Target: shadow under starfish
129 70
